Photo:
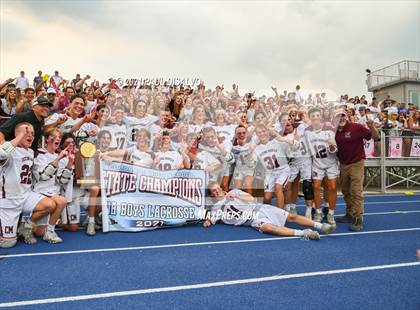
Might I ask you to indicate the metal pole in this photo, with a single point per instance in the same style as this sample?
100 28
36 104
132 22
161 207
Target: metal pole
382 163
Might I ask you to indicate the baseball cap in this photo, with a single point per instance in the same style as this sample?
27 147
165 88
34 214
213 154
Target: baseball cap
51 90
41 101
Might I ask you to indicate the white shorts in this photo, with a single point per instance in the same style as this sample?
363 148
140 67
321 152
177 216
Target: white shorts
302 168
259 173
228 170
71 213
240 174
331 172
11 209
280 176
267 214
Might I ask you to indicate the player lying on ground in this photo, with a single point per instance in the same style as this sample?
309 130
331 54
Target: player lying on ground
238 206
17 196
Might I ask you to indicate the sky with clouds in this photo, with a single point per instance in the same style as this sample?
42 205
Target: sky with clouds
317 44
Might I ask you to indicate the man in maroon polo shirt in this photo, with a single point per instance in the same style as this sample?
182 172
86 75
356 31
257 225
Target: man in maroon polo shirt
350 139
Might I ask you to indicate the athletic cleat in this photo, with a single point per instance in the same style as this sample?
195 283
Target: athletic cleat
344 219
318 217
25 232
357 224
327 228
86 222
52 237
309 234
90 229
7 243
331 220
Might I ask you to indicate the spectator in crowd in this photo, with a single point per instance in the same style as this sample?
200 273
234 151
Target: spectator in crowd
36 117
414 122
26 102
56 80
75 80
22 81
10 104
38 80
64 101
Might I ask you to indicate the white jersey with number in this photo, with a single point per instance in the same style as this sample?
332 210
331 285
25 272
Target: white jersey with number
319 146
169 160
303 152
16 173
272 156
139 158
240 153
234 209
118 135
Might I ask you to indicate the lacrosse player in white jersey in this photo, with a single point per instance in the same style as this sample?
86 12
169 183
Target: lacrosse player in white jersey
168 159
225 132
324 163
301 169
52 172
241 209
202 160
272 154
118 129
65 122
243 174
138 154
16 195
221 151
141 119
70 217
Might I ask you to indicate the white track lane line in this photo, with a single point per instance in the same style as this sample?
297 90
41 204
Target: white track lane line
203 285
180 245
374 202
398 212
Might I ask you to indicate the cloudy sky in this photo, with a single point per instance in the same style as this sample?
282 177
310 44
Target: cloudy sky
318 44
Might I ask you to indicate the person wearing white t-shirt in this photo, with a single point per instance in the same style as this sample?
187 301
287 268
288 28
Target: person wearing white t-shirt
56 79
22 81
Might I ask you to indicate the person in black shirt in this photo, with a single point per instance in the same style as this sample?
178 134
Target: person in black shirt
40 110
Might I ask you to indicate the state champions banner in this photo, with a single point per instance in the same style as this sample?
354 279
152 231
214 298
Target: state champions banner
139 199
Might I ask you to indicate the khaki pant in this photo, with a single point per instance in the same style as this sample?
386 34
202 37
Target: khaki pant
351 178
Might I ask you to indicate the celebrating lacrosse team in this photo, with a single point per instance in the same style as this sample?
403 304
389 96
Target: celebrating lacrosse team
265 150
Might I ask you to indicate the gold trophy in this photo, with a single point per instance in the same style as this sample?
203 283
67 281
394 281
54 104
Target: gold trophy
87 164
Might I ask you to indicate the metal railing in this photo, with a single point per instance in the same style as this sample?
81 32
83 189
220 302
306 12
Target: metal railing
402 71
395 164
